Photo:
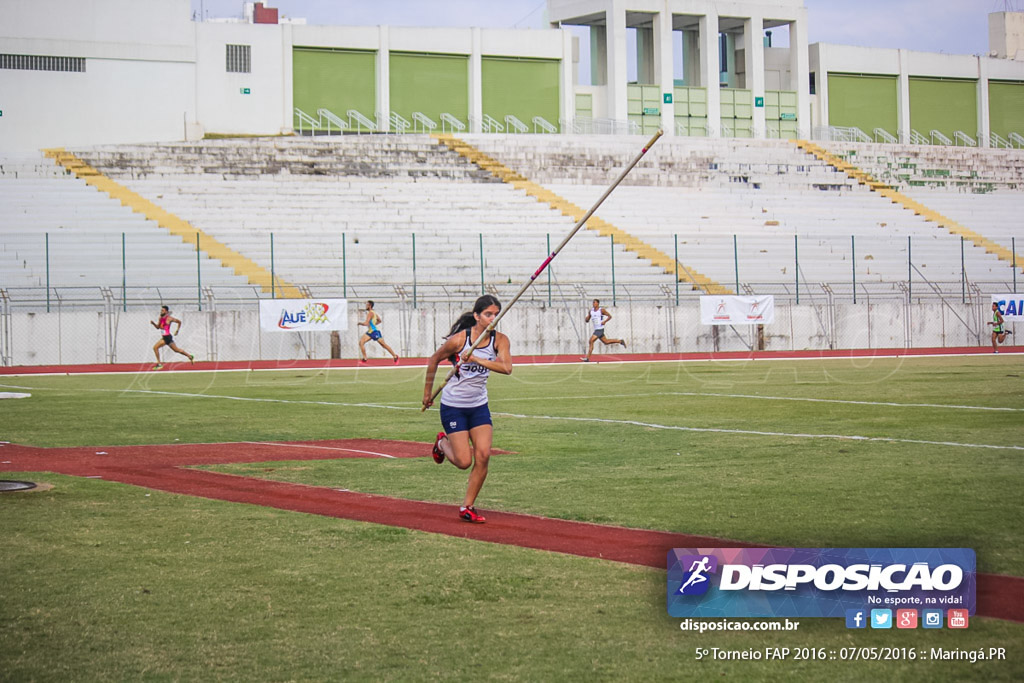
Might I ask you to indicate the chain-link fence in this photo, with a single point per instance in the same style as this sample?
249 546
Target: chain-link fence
106 325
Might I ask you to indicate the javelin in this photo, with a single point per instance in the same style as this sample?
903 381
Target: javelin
526 285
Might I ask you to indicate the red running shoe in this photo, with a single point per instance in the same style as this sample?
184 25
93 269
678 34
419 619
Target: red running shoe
436 451
470 515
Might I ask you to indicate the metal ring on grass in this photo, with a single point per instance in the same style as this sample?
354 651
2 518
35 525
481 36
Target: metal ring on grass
7 485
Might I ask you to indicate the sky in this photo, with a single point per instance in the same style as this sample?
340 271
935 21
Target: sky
950 26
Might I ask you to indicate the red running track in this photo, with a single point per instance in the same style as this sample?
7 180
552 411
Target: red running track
165 468
326 364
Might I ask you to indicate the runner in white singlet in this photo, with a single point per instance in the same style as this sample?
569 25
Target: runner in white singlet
598 317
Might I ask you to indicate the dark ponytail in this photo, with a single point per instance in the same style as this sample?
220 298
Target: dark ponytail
468 319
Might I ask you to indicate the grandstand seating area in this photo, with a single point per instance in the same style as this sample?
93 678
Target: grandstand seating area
44 210
346 208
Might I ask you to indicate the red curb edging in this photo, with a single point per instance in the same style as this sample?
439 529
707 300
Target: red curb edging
328 364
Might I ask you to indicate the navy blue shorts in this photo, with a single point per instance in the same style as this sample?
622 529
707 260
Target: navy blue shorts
373 334
464 419
168 339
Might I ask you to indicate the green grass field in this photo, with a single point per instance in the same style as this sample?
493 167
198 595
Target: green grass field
104 581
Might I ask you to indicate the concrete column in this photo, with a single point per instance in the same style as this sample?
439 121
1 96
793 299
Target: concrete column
821 80
476 98
691 58
616 52
663 68
753 52
903 99
287 80
598 56
984 115
567 97
800 74
710 71
645 59
383 103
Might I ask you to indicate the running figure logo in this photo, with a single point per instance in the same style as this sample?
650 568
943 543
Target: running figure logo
695 581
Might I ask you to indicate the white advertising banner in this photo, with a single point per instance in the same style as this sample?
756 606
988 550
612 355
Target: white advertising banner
737 310
1011 306
303 315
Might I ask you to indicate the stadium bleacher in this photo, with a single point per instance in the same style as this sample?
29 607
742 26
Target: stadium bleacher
348 208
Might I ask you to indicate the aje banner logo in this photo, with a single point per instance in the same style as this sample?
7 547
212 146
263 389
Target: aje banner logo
817 582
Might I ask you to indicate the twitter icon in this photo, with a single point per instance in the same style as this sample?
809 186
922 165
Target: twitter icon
881 618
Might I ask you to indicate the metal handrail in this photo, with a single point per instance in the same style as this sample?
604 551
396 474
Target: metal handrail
331 118
513 123
885 136
918 139
491 125
997 140
399 122
452 123
962 137
360 121
426 124
937 135
545 125
1016 139
305 118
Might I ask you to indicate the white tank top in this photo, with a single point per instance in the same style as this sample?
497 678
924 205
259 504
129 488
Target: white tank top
469 389
597 319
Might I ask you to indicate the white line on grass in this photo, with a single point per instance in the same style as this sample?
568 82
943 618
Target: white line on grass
258 400
635 423
716 430
326 448
699 394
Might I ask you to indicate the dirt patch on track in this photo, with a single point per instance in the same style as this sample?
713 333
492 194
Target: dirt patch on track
166 468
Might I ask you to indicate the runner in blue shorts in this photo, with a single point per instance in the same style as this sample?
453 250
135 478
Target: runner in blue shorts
467 435
372 323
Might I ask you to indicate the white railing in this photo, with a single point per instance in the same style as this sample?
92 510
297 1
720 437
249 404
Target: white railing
881 134
997 140
450 124
421 123
399 123
1016 139
306 120
491 125
513 123
332 119
360 121
937 135
964 139
918 139
614 127
842 134
544 125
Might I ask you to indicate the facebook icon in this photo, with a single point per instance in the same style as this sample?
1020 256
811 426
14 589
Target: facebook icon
856 618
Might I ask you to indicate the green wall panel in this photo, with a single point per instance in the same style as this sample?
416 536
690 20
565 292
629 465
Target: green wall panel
584 106
1006 107
943 105
430 84
337 80
866 102
523 88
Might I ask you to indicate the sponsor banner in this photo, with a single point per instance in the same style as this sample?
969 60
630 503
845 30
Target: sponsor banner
817 582
303 315
737 310
1011 306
